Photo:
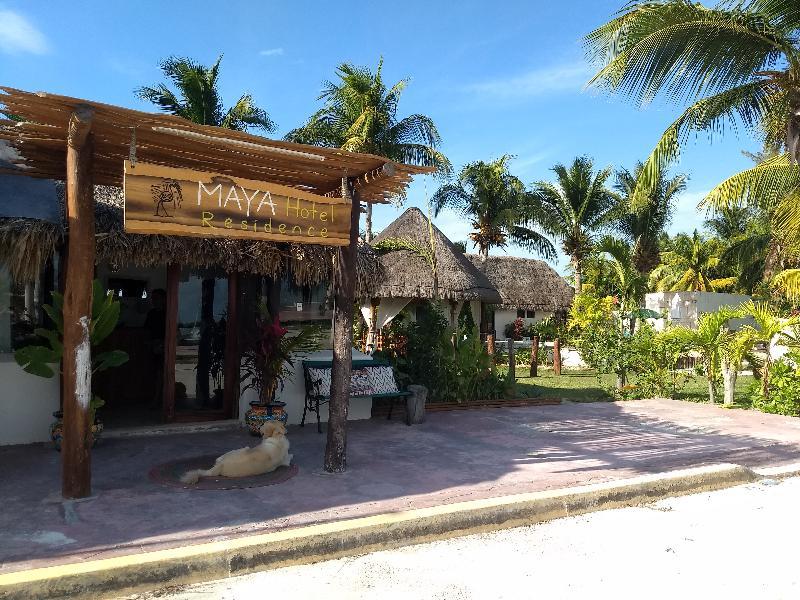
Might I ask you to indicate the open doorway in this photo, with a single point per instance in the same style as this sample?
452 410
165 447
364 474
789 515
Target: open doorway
132 392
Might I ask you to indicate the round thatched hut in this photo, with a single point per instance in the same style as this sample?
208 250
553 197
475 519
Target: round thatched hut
529 289
418 262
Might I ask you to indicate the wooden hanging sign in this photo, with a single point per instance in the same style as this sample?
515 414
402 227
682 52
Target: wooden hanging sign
169 201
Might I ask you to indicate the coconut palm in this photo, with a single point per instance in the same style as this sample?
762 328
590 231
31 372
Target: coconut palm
688 266
577 206
748 248
629 284
497 205
736 63
359 114
643 225
197 98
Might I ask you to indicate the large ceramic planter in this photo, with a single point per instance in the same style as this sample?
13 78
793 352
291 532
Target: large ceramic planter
260 412
57 429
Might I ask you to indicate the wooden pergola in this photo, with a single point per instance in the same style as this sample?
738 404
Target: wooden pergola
85 143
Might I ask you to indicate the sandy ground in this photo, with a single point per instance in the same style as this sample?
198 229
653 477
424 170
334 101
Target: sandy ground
736 543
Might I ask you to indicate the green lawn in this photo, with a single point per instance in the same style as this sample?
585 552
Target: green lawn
584 386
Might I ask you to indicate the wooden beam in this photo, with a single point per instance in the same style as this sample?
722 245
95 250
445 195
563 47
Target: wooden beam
557 356
534 356
76 475
232 358
344 281
170 342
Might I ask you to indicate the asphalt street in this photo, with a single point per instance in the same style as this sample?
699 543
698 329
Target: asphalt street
735 543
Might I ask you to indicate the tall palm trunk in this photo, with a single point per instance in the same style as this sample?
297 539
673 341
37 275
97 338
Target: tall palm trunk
729 376
576 268
368 224
712 391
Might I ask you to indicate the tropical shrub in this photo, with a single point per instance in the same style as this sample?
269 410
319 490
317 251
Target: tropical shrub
466 322
784 388
515 329
452 373
38 359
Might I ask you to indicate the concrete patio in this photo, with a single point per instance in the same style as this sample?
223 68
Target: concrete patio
454 456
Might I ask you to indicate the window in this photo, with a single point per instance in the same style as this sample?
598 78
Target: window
526 314
520 314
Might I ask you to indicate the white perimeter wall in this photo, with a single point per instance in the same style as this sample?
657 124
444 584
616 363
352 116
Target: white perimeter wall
27 404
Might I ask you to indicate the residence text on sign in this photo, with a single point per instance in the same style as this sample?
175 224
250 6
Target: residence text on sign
169 201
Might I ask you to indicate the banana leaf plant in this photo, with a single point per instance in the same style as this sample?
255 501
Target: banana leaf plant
39 360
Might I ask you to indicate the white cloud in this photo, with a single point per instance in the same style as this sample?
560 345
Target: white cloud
272 52
557 78
18 34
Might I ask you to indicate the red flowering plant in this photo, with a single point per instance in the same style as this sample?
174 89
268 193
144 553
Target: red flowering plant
269 354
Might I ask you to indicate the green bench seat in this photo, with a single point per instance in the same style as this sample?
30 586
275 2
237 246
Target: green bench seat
318 387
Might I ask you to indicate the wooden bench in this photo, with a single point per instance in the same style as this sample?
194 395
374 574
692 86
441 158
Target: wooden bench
370 378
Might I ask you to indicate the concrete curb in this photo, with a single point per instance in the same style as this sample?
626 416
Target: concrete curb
217 560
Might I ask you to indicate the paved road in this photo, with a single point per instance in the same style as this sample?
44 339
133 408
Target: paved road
736 543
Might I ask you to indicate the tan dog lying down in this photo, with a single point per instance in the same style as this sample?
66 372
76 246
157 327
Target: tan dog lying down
271 453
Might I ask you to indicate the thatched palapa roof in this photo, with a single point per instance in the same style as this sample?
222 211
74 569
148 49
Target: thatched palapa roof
408 273
525 283
26 243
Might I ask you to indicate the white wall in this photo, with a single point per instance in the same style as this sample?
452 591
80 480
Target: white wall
294 391
503 316
27 404
684 308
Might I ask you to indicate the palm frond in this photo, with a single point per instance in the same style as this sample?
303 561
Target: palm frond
683 49
788 282
746 104
763 185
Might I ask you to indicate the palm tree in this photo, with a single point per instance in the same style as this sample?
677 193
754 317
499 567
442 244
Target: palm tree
197 97
359 114
748 248
643 225
688 266
627 281
736 63
498 206
708 340
576 207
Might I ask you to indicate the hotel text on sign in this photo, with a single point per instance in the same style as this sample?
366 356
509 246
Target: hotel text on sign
163 200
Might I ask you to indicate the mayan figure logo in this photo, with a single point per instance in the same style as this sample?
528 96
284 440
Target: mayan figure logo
168 192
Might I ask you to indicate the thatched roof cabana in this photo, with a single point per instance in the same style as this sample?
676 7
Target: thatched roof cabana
405 259
525 283
27 243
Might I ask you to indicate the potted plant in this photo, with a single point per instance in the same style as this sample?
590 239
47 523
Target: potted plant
38 359
267 362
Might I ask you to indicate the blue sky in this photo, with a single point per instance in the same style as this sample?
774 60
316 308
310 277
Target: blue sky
497 78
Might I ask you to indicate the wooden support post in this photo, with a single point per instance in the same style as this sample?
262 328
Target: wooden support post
372 332
344 281
170 342
76 474
512 363
535 356
490 347
232 358
557 356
